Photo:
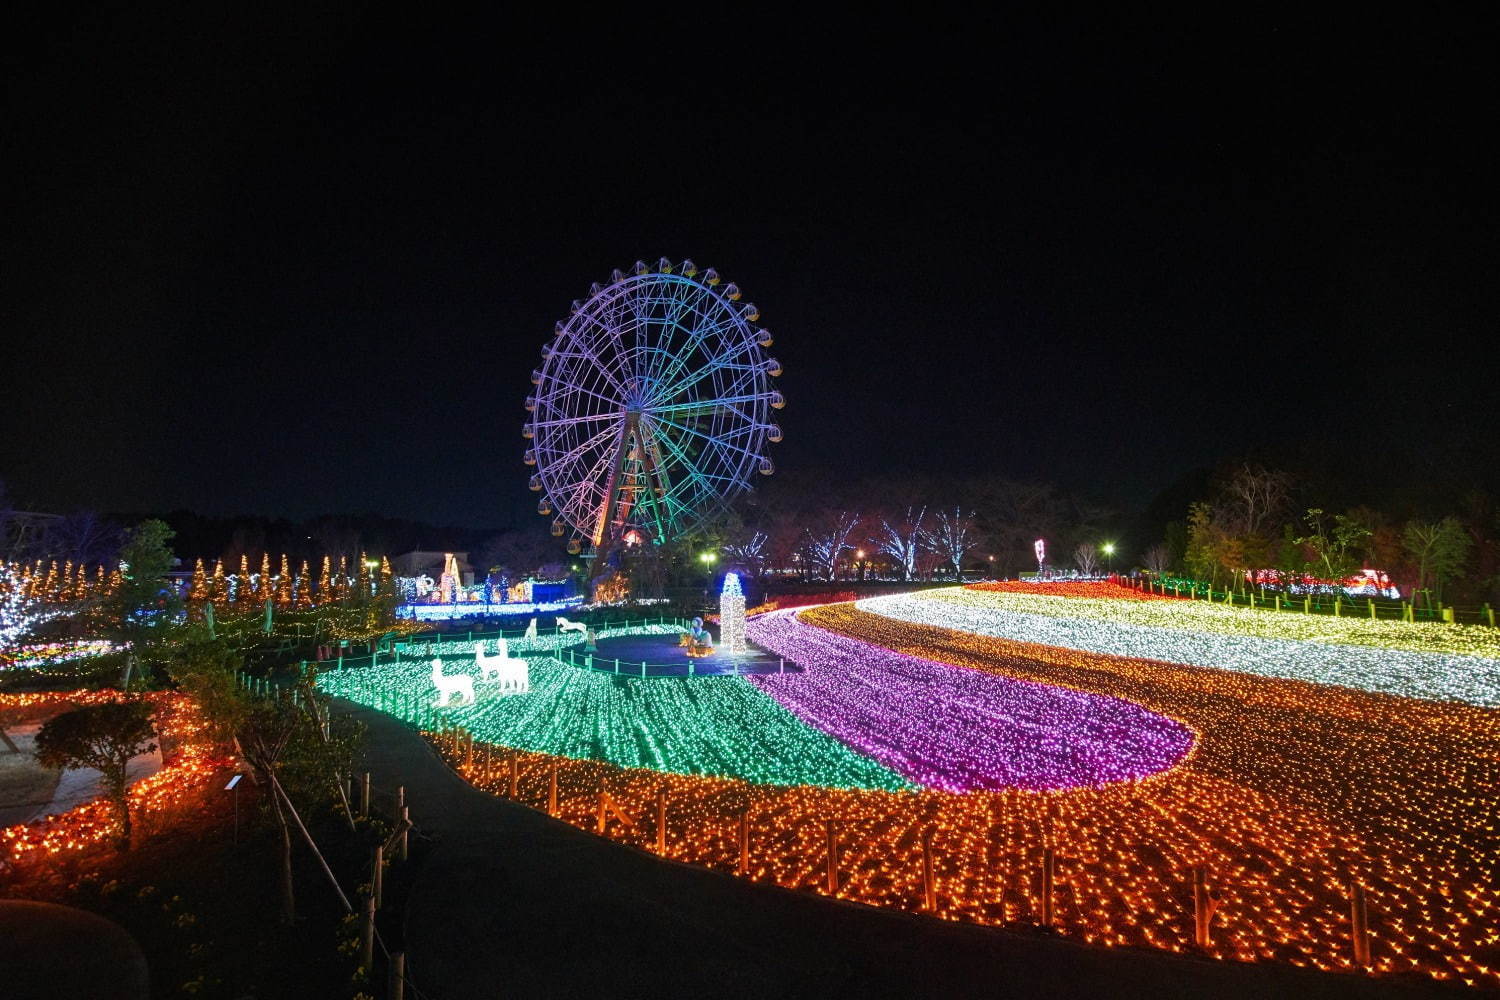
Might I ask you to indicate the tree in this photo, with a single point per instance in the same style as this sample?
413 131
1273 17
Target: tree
1253 497
901 541
105 738
1439 551
83 537
1086 558
749 550
1157 560
143 599
829 539
297 752
1204 541
1336 545
952 535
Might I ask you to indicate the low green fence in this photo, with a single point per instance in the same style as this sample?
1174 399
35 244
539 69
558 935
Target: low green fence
1336 604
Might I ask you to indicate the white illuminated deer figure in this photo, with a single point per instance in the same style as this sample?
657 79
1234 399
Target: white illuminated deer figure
459 684
513 673
531 629
563 625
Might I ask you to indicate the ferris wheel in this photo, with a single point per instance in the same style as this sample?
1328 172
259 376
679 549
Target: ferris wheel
652 408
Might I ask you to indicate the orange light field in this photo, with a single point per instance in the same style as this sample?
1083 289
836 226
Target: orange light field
189 766
1291 791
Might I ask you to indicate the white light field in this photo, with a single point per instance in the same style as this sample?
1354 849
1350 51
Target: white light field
1435 676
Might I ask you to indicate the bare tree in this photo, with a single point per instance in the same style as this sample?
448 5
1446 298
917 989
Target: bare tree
750 551
829 539
1086 559
952 535
1254 497
1157 560
85 538
901 541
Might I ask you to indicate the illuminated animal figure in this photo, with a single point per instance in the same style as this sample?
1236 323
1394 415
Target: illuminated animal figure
513 673
490 667
563 625
516 677
459 684
531 629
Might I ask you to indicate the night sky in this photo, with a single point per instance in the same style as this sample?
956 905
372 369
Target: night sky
299 263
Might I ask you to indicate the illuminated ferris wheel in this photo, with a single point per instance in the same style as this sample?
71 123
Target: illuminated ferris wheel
652 408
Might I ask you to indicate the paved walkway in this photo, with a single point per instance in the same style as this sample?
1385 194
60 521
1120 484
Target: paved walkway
511 903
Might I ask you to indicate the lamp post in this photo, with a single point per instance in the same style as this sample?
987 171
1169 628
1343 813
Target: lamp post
373 565
859 558
708 559
1108 548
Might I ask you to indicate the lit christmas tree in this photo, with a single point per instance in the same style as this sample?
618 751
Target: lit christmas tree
731 615
242 591
264 591
199 590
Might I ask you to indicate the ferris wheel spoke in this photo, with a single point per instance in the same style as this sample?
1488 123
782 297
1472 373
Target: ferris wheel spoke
721 363
573 421
695 478
708 405
585 346
577 450
711 439
682 359
598 366
564 391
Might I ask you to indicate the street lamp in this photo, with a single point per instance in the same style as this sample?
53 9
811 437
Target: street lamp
859 559
708 559
372 565
1108 548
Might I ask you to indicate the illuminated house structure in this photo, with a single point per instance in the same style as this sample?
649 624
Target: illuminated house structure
431 564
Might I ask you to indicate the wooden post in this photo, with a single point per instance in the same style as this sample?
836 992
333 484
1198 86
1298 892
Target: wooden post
515 772
1205 903
400 801
661 822
1359 925
367 936
364 795
603 816
744 868
468 750
377 874
401 849
1307 604
929 882
833 857
1049 866
552 791
395 976
1278 602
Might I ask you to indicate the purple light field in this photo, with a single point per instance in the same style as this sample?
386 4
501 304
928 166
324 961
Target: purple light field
958 729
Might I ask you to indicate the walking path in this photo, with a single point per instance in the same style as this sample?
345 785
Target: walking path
512 903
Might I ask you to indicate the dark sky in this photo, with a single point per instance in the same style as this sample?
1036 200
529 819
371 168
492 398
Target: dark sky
293 263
